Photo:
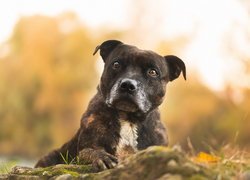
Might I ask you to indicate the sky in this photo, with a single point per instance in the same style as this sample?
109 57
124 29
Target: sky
210 22
89 11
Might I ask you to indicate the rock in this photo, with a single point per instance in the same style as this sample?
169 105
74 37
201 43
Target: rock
153 163
24 177
3 176
172 164
64 177
170 177
21 170
53 171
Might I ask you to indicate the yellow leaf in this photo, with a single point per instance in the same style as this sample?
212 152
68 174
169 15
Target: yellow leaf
203 157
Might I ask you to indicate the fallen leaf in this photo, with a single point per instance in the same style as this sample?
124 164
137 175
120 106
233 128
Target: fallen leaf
203 157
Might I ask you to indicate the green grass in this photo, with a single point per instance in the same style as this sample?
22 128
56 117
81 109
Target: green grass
67 159
5 167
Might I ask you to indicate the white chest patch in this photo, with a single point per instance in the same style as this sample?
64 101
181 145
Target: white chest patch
128 137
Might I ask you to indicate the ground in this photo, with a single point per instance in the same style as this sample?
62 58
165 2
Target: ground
153 163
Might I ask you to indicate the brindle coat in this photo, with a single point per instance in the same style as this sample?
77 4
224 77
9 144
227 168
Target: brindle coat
132 87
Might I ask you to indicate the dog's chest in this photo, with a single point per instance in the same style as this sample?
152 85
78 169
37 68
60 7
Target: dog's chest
128 139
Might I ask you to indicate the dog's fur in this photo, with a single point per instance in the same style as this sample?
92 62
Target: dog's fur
123 116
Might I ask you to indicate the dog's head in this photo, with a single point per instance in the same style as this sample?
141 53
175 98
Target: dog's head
133 79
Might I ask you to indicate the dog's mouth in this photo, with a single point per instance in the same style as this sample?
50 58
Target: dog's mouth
128 100
124 104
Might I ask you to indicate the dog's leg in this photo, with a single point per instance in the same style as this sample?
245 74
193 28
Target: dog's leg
69 149
96 154
95 143
99 158
50 159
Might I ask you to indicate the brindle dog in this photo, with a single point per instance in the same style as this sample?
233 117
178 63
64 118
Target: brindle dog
123 116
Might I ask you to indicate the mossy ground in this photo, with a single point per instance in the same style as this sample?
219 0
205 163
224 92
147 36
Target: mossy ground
53 171
153 163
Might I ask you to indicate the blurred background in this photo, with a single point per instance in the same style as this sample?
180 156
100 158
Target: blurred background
48 73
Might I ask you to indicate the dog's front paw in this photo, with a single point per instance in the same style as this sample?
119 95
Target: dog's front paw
99 159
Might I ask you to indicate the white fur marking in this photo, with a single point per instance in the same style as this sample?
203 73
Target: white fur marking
128 135
142 101
113 93
140 97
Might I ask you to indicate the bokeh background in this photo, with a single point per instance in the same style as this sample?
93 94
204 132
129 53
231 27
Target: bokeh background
48 73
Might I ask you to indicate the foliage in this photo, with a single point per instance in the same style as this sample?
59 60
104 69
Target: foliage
44 82
49 75
210 120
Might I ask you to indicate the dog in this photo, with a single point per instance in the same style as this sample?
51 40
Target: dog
123 117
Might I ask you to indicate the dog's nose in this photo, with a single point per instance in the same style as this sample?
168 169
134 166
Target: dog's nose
128 85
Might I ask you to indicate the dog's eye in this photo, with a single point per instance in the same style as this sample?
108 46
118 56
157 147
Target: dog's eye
116 65
152 73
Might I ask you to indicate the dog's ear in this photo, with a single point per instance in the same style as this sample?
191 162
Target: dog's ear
175 66
106 47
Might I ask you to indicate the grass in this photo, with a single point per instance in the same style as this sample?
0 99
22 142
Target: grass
234 161
67 159
230 160
5 167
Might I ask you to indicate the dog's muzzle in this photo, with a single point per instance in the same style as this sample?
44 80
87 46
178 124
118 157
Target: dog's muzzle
128 95
129 86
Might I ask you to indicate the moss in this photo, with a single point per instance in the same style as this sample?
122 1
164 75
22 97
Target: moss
73 170
38 171
58 172
152 163
197 177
